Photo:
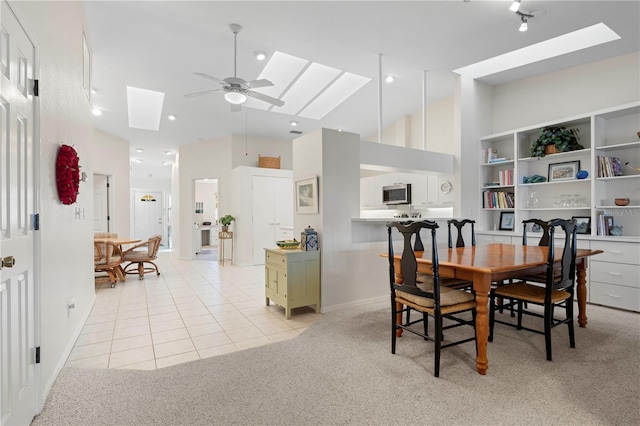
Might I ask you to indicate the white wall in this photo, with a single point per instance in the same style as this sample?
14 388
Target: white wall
407 130
66 244
214 159
199 161
110 156
566 93
245 151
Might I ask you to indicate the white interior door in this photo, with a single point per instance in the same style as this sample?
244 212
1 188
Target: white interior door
147 214
101 215
272 208
263 217
17 286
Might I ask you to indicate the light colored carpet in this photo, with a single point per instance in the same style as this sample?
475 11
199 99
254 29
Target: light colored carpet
341 371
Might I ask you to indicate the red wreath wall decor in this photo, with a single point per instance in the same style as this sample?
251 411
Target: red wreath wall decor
67 174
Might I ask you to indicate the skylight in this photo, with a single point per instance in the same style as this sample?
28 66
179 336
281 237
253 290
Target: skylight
145 108
308 89
557 46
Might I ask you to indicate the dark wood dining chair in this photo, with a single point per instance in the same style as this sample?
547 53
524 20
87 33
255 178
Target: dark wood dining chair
558 290
429 297
459 224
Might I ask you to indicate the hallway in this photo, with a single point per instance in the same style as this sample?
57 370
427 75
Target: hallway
193 310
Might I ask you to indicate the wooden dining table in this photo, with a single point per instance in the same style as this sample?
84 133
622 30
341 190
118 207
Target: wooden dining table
497 262
119 241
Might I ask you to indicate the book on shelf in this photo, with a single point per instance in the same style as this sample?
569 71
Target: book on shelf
488 155
609 167
505 177
498 200
605 223
498 160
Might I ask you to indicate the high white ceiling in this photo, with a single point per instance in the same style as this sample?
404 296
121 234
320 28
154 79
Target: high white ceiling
157 45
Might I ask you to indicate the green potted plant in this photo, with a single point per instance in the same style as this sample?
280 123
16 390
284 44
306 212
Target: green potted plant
556 139
226 221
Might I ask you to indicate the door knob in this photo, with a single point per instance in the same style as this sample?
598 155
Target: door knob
8 262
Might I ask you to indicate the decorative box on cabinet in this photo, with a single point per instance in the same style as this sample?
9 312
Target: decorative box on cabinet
292 278
615 275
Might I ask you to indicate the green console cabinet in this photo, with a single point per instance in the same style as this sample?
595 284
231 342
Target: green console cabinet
292 278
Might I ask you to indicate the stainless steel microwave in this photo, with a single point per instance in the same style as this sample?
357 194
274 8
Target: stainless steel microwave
399 193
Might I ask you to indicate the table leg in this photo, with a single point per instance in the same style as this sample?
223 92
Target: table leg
582 292
480 284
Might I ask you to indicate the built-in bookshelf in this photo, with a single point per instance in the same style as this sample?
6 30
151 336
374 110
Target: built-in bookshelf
549 187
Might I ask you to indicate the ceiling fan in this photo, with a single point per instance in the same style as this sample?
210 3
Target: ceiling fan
237 89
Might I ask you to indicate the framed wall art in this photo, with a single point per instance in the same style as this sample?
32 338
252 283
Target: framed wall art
307 195
507 221
563 171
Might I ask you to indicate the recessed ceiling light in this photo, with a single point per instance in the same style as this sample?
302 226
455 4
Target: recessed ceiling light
138 161
340 130
93 90
167 152
293 123
164 163
389 79
96 112
171 117
260 55
139 150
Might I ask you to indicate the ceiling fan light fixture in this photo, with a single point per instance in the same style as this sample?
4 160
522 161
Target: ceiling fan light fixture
235 98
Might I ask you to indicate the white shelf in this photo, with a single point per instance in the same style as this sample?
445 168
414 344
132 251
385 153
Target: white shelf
496 186
499 210
548 209
619 146
557 155
616 207
618 177
497 163
555 182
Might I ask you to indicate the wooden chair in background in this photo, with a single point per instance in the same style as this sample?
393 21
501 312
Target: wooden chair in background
138 258
106 259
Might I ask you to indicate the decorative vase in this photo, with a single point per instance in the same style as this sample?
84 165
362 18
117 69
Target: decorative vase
616 230
225 228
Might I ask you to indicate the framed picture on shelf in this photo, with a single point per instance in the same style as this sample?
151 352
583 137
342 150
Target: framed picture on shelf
307 195
563 171
583 224
507 221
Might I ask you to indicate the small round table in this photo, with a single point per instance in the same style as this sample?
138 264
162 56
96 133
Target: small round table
222 236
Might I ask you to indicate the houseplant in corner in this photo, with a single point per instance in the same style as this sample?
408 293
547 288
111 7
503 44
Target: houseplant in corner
556 139
226 221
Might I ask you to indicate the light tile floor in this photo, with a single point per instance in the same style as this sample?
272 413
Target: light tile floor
192 310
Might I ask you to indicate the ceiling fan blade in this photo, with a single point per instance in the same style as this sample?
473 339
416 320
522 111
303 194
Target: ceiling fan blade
265 98
205 92
209 77
236 107
259 83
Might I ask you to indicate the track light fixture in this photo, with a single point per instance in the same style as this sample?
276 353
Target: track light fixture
524 18
515 6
